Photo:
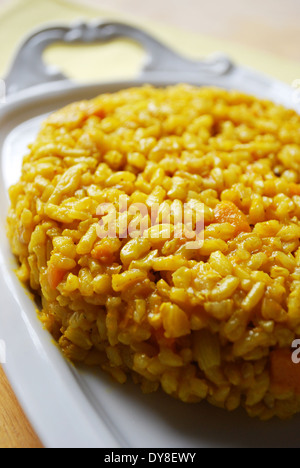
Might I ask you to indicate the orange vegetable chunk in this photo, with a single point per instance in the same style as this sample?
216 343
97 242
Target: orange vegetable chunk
228 212
285 374
55 275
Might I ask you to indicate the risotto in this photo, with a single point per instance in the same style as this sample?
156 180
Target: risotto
211 321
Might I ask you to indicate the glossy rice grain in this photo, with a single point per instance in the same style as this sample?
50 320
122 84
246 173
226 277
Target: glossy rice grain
214 323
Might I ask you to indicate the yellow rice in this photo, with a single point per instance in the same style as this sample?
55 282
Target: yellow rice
202 323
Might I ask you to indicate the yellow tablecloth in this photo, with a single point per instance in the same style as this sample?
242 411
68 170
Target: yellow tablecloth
121 58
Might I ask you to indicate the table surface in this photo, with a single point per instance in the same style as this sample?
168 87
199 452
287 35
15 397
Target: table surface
271 25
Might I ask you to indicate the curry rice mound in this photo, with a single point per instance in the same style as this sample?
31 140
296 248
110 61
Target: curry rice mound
214 323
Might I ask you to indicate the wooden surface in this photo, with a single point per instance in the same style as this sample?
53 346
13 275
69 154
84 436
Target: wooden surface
272 25
15 430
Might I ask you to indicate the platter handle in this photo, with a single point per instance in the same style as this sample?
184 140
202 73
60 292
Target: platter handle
29 69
